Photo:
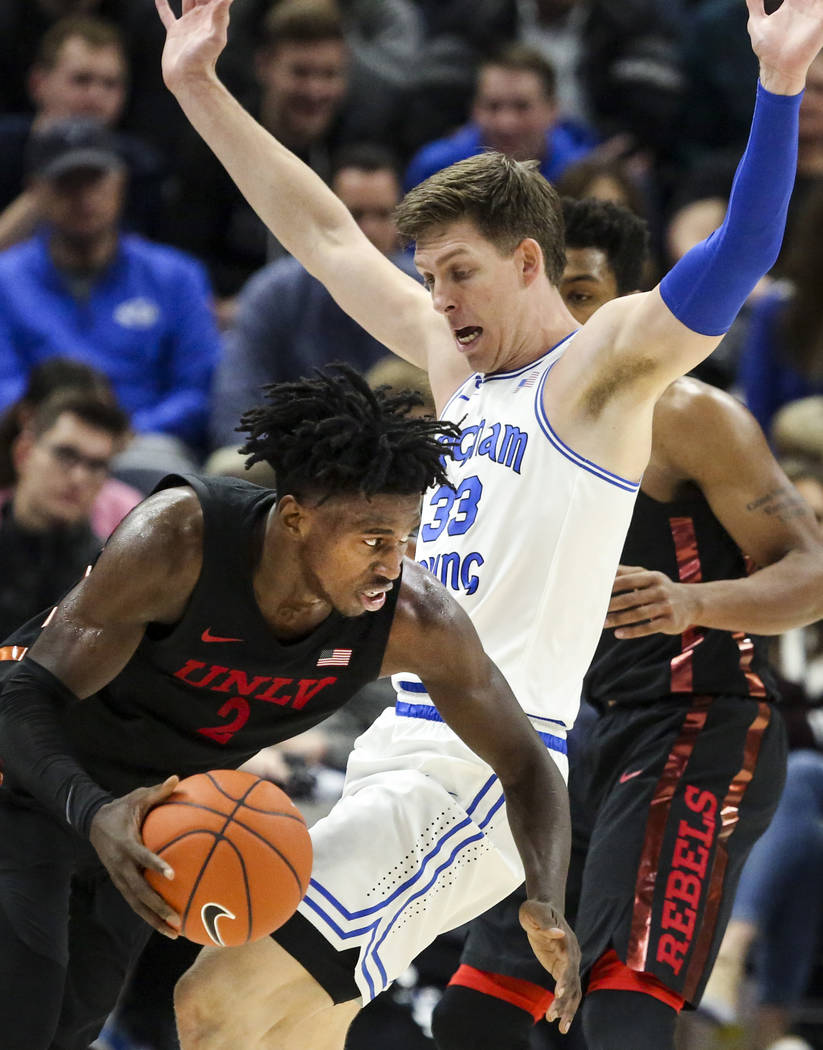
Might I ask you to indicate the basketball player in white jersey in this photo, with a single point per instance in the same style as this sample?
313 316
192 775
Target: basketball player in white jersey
556 434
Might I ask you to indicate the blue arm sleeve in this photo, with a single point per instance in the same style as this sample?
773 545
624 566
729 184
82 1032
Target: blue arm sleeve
707 287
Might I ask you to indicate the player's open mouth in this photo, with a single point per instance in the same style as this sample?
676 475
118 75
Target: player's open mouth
374 598
466 336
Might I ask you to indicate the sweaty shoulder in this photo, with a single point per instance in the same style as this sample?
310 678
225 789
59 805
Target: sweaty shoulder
427 621
160 544
699 428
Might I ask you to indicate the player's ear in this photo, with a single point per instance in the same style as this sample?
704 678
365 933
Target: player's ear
529 258
22 447
293 516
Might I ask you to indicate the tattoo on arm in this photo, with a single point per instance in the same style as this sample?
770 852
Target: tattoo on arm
782 503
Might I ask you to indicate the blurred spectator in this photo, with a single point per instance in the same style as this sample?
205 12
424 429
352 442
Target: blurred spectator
384 38
457 34
783 354
720 68
152 112
632 70
81 70
301 74
554 27
61 459
59 375
514 111
797 429
286 321
605 179
138 311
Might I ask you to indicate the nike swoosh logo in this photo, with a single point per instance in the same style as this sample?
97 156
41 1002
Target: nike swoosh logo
210 915
207 636
629 776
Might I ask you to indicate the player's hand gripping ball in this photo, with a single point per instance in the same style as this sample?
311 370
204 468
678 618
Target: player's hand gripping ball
240 851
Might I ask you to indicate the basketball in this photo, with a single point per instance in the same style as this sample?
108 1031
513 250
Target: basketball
240 851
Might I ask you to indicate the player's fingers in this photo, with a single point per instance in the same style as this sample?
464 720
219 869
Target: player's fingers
158 792
654 625
625 570
165 12
630 581
153 901
149 905
629 599
756 8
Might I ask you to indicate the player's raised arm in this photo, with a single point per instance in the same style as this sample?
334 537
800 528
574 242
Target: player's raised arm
146 573
666 332
302 212
475 700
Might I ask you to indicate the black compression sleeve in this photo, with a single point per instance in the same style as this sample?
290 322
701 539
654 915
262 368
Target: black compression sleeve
34 750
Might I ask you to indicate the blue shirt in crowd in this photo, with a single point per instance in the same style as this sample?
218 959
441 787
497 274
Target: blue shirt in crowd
146 323
564 146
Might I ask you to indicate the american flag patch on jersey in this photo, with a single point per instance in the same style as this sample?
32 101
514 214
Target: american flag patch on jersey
334 658
528 380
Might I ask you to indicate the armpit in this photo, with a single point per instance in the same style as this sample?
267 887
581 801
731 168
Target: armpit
611 382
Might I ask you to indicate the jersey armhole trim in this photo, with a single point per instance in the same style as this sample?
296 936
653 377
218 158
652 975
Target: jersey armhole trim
569 453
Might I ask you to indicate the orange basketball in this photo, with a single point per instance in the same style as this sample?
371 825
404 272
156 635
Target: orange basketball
240 851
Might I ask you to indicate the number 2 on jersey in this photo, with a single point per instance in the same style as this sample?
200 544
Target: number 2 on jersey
455 510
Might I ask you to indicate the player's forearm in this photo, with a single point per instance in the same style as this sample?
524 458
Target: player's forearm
537 804
289 197
707 287
34 750
772 600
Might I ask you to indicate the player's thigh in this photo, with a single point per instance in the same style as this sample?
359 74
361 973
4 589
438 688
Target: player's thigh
105 939
685 807
31 992
497 943
250 996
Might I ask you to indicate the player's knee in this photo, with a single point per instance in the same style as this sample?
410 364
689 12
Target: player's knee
195 1011
465 1017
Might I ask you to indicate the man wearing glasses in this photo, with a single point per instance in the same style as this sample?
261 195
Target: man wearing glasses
62 459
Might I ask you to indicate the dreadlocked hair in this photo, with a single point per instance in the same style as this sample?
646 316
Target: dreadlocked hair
332 434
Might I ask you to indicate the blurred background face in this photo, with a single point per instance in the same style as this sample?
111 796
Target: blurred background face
84 81
303 86
371 197
60 472
513 112
82 205
588 281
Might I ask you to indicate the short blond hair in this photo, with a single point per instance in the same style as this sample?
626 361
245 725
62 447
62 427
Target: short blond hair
506 200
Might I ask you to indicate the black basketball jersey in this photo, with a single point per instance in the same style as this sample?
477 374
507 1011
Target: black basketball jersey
684 540
213 689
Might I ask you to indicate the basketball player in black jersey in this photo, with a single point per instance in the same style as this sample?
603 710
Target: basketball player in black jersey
683 769
219 618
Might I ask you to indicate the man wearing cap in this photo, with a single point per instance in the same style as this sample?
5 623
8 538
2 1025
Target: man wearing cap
81 69
138 311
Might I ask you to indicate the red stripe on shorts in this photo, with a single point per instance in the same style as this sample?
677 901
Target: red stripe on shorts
532 998
689 570
609 972
729 815
659 810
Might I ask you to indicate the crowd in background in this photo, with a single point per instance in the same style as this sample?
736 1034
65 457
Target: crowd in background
143 304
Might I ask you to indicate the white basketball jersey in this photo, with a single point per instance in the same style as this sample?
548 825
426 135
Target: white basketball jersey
527 538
